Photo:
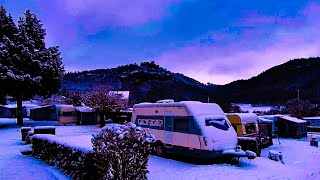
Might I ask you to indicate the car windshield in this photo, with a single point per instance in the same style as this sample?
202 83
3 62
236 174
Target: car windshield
219 123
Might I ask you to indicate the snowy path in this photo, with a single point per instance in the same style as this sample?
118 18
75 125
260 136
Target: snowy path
15 166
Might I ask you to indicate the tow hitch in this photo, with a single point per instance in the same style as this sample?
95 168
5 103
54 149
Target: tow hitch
237 153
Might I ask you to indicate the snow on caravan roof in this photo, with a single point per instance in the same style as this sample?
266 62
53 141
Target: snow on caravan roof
246 118
311 118
292 119
196 108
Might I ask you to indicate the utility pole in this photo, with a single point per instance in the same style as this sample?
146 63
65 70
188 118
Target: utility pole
299 105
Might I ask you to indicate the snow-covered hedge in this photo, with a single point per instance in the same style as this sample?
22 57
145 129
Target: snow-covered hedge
73 161
117 152
126 148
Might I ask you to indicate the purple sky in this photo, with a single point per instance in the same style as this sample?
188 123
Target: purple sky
212 41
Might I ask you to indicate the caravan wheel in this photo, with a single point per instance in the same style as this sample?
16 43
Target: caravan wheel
159 149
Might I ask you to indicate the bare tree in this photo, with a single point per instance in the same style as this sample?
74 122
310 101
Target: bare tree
299 108
102 100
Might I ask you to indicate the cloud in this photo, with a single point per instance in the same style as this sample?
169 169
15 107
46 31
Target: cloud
252 51
96 15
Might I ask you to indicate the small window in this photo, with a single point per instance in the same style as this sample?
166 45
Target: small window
250 128
181 124
67 114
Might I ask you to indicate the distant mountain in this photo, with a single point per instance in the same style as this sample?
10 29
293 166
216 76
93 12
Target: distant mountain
146 82
279 83
150 82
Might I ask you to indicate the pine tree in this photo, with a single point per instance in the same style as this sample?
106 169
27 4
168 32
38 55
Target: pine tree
28 68
35 30
7 26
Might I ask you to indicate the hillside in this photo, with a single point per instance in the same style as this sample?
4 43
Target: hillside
279 83
146 82
150 82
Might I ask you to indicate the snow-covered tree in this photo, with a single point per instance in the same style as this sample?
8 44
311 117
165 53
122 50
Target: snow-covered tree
27 67
101 100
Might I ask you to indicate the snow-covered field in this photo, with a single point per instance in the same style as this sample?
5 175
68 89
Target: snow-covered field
250 108
301 160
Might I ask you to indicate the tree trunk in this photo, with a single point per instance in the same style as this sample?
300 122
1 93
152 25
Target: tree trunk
19 111
102 121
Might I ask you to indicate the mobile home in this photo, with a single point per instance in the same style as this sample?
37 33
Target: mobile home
274 119
189 128
67 114
50 112
246 126
40 113
10 111
291 127
86 116
312 121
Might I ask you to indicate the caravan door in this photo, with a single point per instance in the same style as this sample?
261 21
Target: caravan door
168 127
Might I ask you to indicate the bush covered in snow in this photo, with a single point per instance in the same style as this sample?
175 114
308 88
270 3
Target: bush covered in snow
126 149
74 162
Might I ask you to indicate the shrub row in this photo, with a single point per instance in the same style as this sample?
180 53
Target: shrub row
117 152
77 163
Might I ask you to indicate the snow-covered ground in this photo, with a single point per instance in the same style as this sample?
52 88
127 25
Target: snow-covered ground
250 108
301 160
15 166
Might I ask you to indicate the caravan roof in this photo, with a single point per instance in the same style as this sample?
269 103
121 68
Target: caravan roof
194 107
246 118
292 119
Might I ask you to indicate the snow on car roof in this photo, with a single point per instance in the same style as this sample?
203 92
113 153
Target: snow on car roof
292 119
246 118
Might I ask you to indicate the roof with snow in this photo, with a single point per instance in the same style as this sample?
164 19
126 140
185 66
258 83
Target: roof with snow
196 108
124 94
246 118
261 119
30 106
84 109
311 118
292 119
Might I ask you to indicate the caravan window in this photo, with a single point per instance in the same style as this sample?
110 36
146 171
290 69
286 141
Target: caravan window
67 114
250 128
219 123
181 125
